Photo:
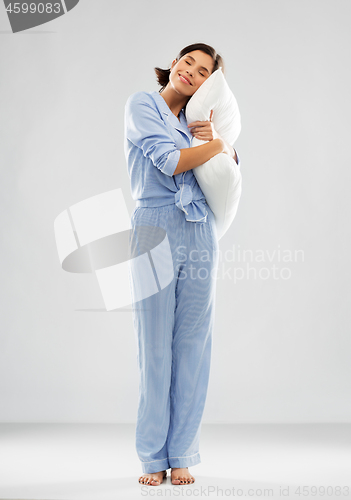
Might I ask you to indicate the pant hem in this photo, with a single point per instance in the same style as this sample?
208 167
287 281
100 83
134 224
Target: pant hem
182 462
155 466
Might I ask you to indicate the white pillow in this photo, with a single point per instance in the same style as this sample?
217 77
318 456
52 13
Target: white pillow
220 177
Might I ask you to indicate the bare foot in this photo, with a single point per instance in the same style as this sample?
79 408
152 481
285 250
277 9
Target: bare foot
153 478
181 476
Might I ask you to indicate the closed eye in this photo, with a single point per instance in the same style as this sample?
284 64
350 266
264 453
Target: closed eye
190 65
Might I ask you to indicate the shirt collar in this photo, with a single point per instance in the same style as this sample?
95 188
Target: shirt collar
181 125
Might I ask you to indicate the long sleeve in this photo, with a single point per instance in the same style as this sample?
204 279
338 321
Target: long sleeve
145 128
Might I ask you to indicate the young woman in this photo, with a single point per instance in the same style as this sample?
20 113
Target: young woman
173 325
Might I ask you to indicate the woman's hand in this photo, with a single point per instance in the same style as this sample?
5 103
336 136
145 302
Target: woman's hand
205 131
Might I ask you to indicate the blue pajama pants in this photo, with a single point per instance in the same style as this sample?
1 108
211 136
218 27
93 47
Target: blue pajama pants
173 329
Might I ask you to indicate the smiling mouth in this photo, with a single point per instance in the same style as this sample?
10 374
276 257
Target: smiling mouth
184 80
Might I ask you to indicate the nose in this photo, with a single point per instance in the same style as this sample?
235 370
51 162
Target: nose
190 72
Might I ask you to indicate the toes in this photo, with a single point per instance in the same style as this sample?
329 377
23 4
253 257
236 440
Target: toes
144 480
182 479
150 480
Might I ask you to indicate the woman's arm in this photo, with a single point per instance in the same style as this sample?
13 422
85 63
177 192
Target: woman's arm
205 131
194 157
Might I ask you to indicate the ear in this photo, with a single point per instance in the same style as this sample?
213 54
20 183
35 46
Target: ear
173 63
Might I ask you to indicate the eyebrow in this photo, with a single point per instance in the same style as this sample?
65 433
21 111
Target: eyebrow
202 67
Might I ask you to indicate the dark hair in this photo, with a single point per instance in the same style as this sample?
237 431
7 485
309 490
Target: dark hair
162 75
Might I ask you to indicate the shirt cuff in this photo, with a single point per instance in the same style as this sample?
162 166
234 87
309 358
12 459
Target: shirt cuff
171 163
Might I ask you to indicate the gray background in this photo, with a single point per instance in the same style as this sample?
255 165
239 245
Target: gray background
281 349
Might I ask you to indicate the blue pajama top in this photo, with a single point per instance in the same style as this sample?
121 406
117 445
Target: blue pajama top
153 137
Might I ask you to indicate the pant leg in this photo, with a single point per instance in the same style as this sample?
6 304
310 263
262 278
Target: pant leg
153 319
192 340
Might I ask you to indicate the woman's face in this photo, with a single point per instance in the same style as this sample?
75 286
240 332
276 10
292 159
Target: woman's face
190 72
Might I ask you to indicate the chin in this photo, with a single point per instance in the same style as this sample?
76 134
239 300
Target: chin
182 89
